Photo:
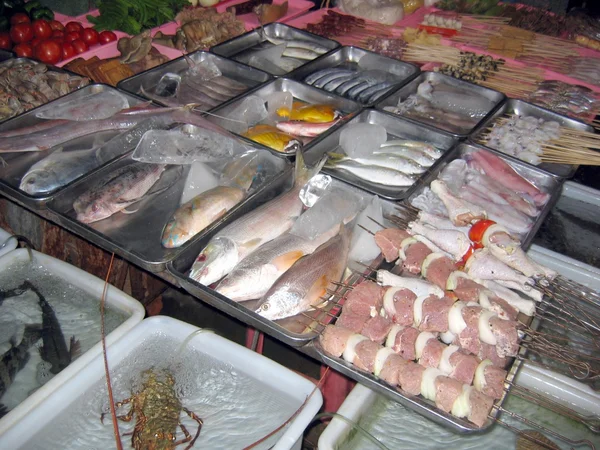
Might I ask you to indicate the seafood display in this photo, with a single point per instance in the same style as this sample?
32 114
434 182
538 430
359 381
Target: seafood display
25 84
449 107
481 185
570 100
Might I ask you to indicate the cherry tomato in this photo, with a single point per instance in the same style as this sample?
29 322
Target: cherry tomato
79 46
107 36
41 29
56 25
70 36
58 35
35 42
21 32
478 228
48 52
73 26
5 41
89 36
24 50
19 18
68 51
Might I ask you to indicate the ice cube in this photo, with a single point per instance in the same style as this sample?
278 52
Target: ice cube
247 114
202 71
200 178
363 247
92 106
362 139
276 101
167 85
268 65
315 189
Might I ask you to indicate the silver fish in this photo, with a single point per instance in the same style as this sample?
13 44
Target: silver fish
391 161
321 77
126 187
305 284
57 169
297 43
417 156
424 147
374 174
237 240
300 53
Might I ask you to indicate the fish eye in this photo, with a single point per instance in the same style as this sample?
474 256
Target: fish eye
201 257
31 181
95 207
265 306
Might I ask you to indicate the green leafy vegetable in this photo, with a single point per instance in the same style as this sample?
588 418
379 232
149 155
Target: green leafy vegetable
134 16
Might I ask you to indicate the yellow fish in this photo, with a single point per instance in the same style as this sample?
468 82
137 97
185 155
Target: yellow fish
272 138
309 113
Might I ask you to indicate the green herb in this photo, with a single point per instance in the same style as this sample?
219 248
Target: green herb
134 16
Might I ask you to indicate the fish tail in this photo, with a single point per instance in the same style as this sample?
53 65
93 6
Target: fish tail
74 347
333 156
303 173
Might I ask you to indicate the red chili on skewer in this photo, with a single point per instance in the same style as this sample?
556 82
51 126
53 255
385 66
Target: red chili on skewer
478 229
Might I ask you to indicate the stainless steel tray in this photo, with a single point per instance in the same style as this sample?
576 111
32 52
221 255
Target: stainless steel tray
402 93
349 57
552 184
396 127
5 54
19 163
236 47
137 237
301 92
249 76
522 108
295 331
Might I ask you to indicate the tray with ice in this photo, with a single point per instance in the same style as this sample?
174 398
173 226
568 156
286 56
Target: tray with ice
275 48
50 327
382 154
284 115
448 104
201 78
178 180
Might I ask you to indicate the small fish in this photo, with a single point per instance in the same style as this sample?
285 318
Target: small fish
233 243
305 129
194 216
391 161
121 190
300 53
306 282
424 147
297 43
17 357
417 156
309 113
374 174
273 138
322 77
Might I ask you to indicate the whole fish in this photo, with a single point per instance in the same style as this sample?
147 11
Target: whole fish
309 113
256 273
273 138
391 161
305 129
17 357
424 147
322 77
124 188
374 174
297 43
417 156
306 282
300 53
237 240
195 215
57 169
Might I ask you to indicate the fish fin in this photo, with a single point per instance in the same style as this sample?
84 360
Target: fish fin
302 173
287 260
317 290
74 347
125 211
251 243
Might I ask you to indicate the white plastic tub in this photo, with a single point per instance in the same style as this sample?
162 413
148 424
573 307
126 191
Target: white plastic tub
6 244
274 390
115 299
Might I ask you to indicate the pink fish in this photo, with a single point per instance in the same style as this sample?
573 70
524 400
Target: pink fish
305 129
504 174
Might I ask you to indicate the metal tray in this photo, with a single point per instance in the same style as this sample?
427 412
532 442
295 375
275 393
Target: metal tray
301 92
5 54
19 163
478 91
249 76
396 127
295 331
236 47
349 57
137 237
552 184
522 108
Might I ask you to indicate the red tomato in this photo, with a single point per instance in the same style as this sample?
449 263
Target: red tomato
5 41
58 35
70 36
106 37
56 25
48 52
41 28
478 228
89 36
35 42
19 18
79 46
73 26
24 50
68 51
21 32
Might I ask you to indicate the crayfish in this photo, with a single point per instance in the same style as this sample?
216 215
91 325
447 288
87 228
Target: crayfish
157 409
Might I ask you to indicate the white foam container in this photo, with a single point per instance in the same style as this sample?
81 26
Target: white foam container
115 298
6 244
252 364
